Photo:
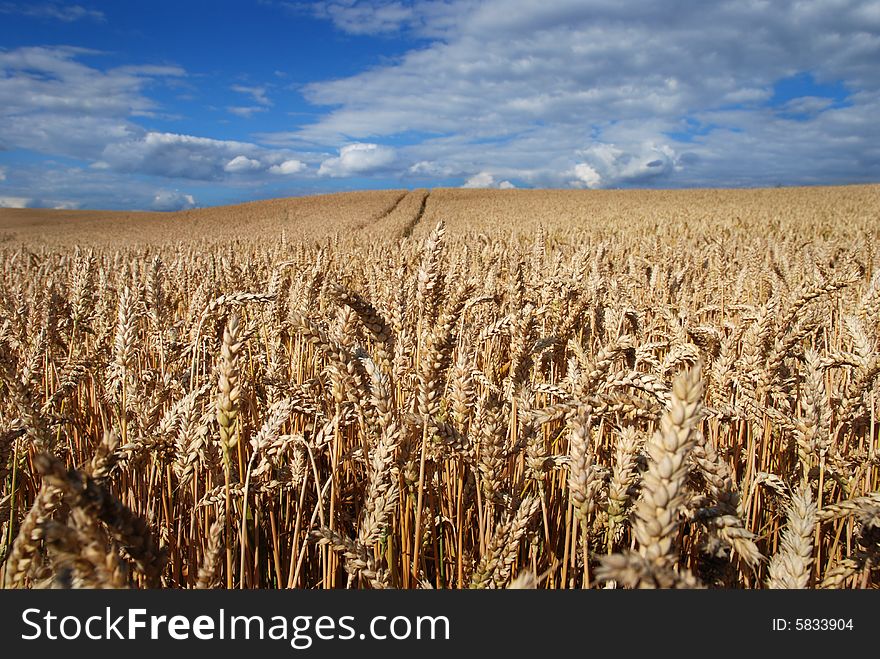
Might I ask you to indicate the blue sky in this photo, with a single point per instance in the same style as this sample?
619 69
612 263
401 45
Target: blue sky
169 105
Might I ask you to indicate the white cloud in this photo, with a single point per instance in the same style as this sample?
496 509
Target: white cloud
487 180
536 89
358 158
45 81
15 202
256 92
51 103
586 93
37 202
185 156
58 11
246 111
84 187
428 18
431 168
586 176
288 167
242 164
372 18
172 200
2 173
609 165
807 105
481 180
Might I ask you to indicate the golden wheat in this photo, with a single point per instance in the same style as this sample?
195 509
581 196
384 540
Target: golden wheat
454 388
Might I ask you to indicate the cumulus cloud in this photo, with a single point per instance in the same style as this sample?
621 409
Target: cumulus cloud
242 164
609 165
481 180
358 158
45 81
172 200
585 175
185 156
543 91
52 103
487 180
287 167
14 202
582 93
431 168
179 156
85 187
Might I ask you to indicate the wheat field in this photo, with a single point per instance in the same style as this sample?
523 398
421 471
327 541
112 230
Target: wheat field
445 389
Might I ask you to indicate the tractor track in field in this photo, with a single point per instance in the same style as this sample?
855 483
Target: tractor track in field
400 218
412 224
383 215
